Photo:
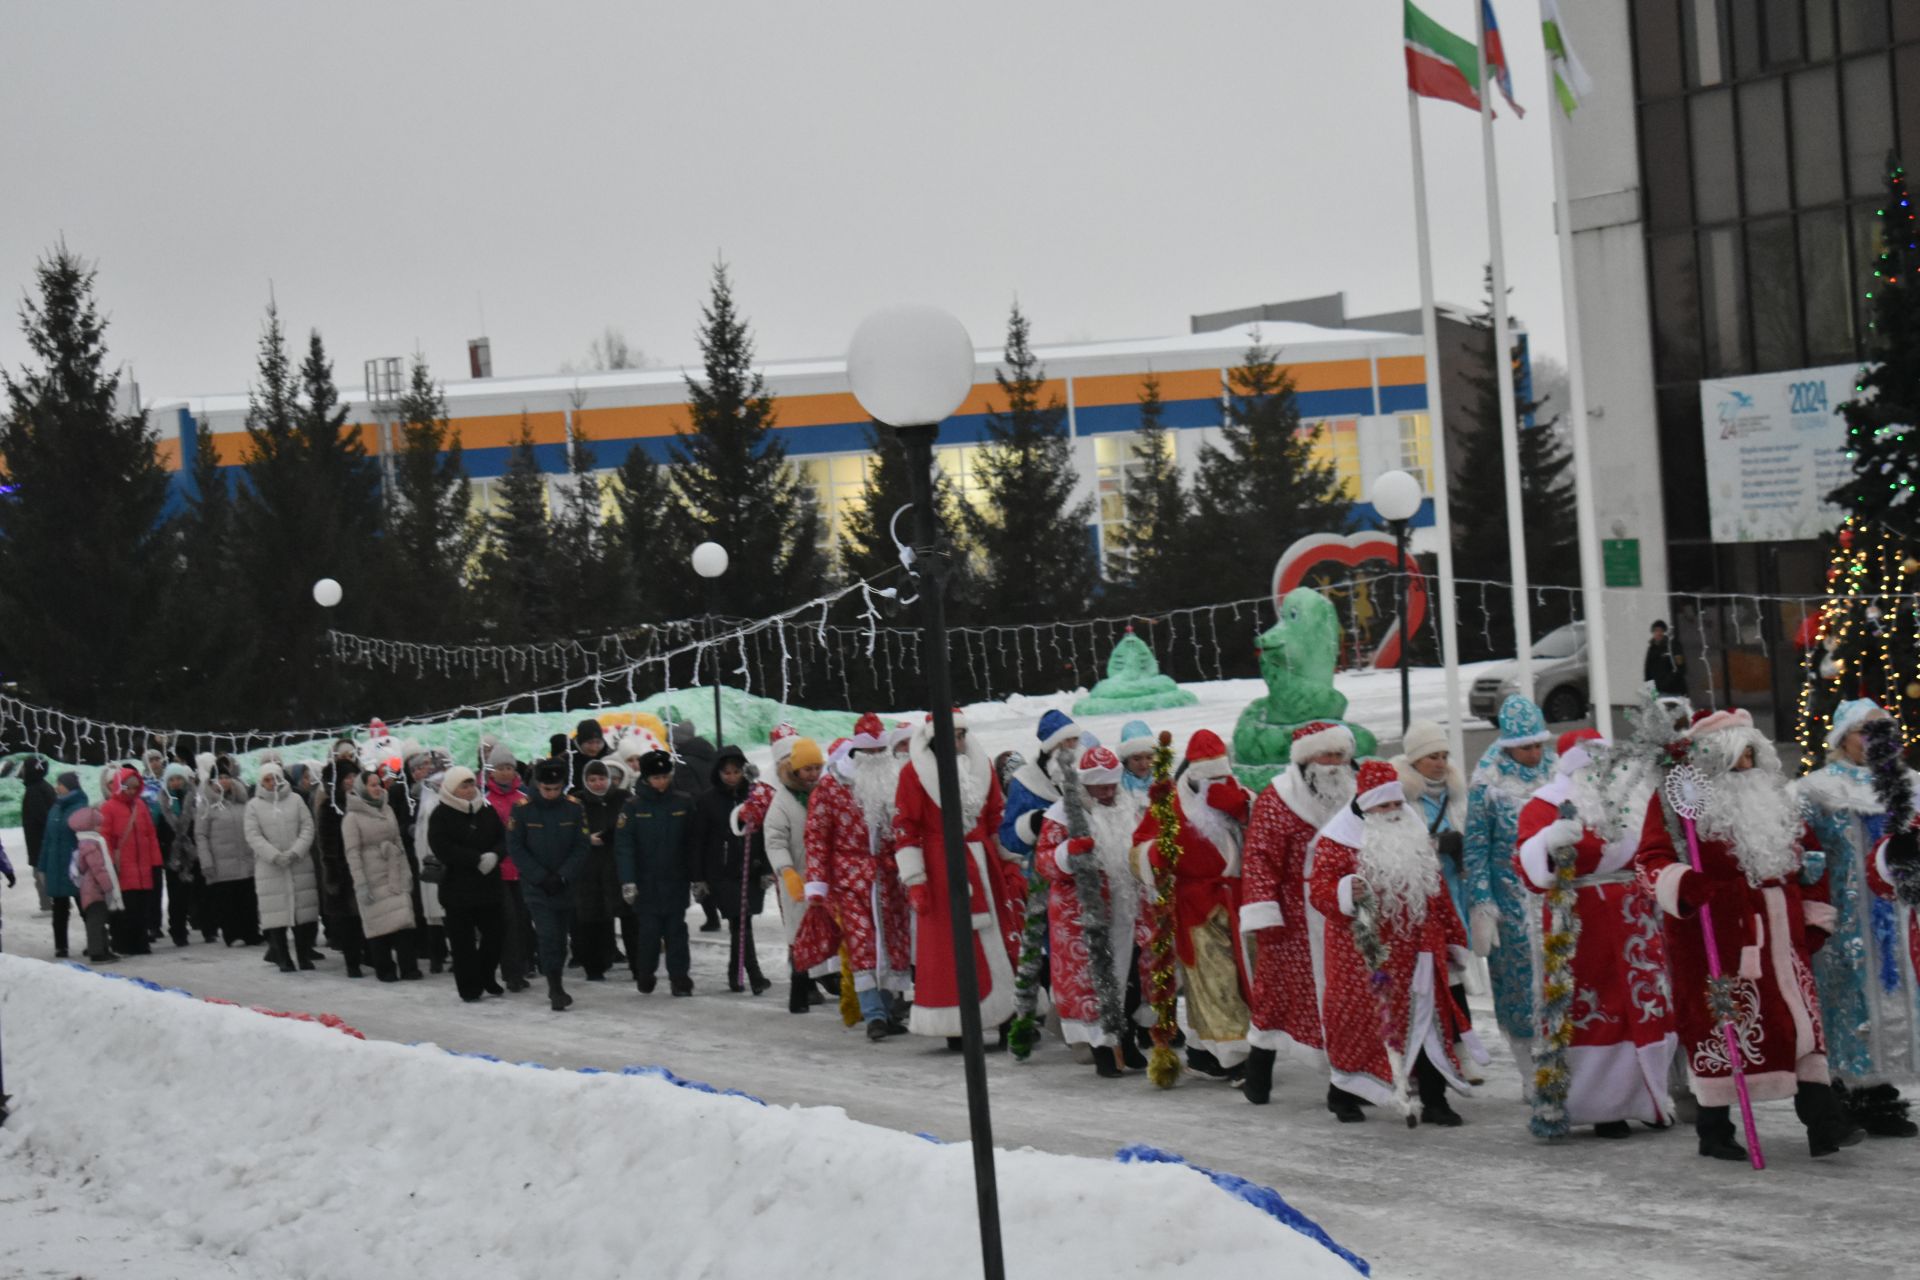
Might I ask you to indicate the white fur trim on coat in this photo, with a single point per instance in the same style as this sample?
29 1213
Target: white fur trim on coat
912 862
1260 915
1346 895
1666 887
1335 737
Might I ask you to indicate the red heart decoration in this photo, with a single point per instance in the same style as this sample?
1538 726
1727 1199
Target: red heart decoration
1351 551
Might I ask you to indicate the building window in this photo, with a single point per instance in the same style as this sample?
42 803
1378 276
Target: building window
838 484
1828 287
1869 105
960 464
1336 443
1716 193
1763 145
1117 467
1723 301
1702 24
1774 287
1416 447
1676 307
1863 25
1816 136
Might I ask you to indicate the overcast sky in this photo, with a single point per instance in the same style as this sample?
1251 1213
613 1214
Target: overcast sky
399 170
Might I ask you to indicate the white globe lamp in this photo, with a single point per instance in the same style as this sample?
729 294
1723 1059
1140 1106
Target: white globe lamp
910 366
709 559
326 593
1396 496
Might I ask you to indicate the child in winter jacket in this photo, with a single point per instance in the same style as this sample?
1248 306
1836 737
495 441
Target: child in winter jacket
97 881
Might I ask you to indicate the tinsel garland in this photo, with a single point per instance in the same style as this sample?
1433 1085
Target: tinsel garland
1164 1066
1376 956
1024 1033
849 998
1096 917
1552 1074
1893 786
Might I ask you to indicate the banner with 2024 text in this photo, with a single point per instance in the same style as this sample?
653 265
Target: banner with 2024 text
1775 449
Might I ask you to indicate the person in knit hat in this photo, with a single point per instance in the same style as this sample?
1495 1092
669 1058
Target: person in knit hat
1136 750
1621 1041
1765 923
1869 999
1212 808
783 826
1390 1020
1316 784
56 855
1514 766
1036 786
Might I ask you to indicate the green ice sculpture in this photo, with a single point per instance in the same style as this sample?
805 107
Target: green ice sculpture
1133 683
1297 657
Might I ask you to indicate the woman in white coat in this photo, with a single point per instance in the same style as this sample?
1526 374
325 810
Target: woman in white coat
382 880
279 830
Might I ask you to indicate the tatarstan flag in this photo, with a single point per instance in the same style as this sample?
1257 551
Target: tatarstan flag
1439 63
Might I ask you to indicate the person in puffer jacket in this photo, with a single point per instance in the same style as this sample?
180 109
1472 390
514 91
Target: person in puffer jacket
126 825
338 909
382 880
56 856
279 830
187 899
226 860
94 876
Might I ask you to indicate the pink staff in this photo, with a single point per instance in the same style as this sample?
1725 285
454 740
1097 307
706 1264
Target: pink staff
1687 791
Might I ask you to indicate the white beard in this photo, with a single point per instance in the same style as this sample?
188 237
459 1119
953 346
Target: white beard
874 781
1752 811
1397 862
1215 827
1331 784
973 791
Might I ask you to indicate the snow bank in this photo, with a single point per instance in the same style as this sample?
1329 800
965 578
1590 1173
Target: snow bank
311 1154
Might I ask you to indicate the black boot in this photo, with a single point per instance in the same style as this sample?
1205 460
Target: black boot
681 985
1259 1086
1713 1126
1345 1107
1130 1052
1103 1064
1615 1129
1434 1107
758 983
1880 1110
797 996
830 983
557 996
1205 1063
1829 1127
277 950
646 982
877 1029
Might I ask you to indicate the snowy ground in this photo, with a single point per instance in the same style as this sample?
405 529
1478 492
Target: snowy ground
1483 1201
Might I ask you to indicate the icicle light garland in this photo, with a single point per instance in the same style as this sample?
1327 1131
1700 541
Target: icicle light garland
1164 1066
1552 1073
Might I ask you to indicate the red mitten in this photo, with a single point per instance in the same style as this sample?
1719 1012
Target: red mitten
1159 791
921 899
1230 798
1696 891
1080 845
1816 939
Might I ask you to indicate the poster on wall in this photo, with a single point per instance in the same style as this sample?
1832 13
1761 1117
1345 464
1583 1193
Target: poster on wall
1775 449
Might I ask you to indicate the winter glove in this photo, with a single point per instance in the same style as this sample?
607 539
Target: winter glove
1159 791
1486 929
699 888
1696 890
1075 848
1230 798
1450 845
629 893
796 887
1562 832
921 898
553 886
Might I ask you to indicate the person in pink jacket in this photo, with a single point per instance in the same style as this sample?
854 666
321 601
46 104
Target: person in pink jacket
96 880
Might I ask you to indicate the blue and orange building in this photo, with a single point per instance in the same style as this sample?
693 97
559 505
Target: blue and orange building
1363 392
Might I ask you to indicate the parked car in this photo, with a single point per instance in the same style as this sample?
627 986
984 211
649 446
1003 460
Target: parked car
1559 678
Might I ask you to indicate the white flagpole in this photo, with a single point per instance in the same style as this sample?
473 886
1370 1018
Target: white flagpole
1446 608
1503 370
1592 572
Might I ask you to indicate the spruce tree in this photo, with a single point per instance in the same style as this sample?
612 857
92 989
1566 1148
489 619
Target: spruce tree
83 571
1260 489
213 636
1881 417
1033 544
1480 509
652 538
587 559
1150 557
431 533
519 593
732 476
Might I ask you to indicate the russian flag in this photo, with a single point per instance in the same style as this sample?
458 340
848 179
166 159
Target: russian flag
1497 57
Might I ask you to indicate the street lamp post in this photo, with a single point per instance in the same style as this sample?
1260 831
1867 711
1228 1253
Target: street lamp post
1396 496
710 561
911 368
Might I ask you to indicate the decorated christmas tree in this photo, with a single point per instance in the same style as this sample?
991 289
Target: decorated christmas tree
1865 641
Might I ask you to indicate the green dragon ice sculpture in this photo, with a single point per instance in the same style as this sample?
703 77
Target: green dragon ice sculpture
1298 655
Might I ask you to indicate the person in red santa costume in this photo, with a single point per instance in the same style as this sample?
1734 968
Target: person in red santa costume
1059 856
1273 898
1213 809
1751 837
1618 1015
995 886
851 868
1391 939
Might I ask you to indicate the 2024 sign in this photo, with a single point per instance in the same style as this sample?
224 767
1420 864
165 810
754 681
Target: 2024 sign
1808 397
